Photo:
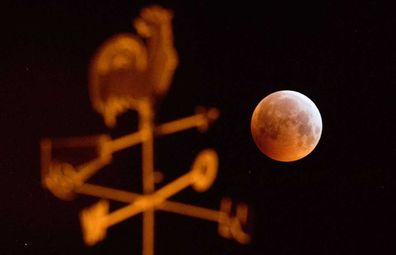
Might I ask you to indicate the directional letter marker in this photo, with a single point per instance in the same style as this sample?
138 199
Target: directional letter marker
127 74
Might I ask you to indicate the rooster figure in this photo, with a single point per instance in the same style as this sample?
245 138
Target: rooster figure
128 70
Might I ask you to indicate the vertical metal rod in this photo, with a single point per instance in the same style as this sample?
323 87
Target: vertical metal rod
146 127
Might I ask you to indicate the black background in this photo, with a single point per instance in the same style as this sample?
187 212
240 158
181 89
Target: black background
334 201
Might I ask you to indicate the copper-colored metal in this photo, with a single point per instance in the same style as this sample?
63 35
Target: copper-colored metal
127 74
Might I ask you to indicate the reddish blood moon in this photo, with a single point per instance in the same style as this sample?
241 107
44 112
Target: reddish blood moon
286 125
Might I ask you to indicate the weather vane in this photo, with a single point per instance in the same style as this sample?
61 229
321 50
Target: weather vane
128 73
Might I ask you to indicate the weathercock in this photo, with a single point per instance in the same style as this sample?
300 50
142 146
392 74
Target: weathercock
129 71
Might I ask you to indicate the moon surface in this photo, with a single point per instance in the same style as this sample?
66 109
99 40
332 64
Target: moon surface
286 125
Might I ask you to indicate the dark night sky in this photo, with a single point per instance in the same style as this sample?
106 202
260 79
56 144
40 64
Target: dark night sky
335 201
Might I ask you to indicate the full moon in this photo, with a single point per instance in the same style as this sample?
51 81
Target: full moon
286 125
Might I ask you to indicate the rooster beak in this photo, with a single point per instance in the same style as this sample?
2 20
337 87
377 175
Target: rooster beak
141 28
